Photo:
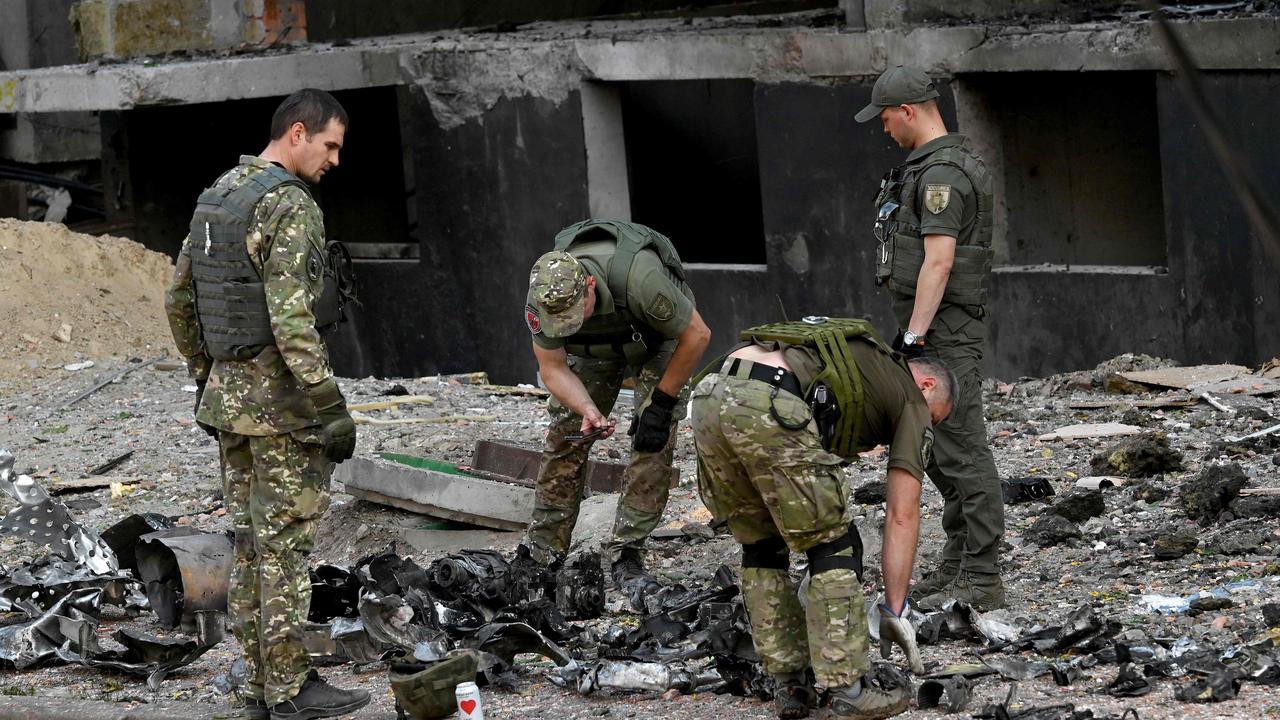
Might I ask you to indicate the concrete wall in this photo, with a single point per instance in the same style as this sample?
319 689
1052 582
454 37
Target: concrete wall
135 28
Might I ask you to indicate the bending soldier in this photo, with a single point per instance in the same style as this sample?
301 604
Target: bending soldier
933 224
611 299
253 288
773 424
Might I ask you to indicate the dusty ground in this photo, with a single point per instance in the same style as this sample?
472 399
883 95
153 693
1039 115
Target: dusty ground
173 470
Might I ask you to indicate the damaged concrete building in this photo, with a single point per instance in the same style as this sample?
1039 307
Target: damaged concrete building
478 133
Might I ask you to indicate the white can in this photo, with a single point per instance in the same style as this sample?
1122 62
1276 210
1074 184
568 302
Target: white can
469 707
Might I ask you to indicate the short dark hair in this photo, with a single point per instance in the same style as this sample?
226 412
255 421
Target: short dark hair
309 106
937 368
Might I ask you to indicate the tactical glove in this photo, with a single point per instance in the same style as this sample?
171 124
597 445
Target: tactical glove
908 351
339 429
898 630
652 425
210 430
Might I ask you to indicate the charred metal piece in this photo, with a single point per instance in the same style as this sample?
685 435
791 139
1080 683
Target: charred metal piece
1222 685
656 677
65 625
1025 489
45 521
477 577
144 654
123 537
185 571
1129 682
506 640
580 587
35 587
335 592
952 694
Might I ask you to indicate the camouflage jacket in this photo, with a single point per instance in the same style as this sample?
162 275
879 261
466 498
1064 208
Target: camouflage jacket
264 395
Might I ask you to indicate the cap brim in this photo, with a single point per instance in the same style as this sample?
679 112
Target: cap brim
867 113
566 323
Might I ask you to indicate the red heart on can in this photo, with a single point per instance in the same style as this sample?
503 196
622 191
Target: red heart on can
467 706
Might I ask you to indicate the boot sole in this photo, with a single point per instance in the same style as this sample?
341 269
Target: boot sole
315 713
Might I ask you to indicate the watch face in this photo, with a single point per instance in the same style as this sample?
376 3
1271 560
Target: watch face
909 338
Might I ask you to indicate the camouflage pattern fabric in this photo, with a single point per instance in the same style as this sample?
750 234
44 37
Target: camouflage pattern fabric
769 482
645 484
275 474
263 395
276 488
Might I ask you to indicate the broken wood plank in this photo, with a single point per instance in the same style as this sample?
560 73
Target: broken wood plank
96 482
1091 430
460 497
1183 378
514 390
111 464
1260 433
388 404
361 419
1217 404
1260 491
1169 401
118 376
520 461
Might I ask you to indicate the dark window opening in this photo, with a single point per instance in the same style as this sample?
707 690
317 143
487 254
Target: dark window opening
365 199
1081 166
693 168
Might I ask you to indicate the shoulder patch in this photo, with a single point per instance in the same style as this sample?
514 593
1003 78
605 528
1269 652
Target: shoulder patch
662 308
936 197
532 320
926 448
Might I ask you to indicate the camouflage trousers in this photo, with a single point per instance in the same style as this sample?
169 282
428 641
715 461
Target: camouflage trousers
963 468
276 487
645 484
770 483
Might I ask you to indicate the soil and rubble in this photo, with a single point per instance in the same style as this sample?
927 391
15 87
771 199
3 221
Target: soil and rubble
1158 591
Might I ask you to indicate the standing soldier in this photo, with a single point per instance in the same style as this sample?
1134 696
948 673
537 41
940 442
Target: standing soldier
933 225
610 299
253 288
773 424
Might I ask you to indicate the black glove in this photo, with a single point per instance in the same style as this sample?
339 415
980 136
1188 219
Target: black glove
339 429
652 426
907 351
210 430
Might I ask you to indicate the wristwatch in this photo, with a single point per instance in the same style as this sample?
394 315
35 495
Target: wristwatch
910 338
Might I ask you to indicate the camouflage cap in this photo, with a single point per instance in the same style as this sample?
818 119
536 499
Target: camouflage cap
899 85
557 295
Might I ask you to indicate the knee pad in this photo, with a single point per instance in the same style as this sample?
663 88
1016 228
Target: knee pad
770 553
823 557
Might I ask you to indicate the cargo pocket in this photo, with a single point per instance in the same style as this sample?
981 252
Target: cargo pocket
810 498
311 471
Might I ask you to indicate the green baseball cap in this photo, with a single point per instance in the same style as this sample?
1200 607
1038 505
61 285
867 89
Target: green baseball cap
557 295
899 85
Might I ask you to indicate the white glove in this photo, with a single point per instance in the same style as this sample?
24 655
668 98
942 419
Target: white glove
898 630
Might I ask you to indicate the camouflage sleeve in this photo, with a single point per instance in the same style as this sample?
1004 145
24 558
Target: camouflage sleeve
180 308
293 273
945 199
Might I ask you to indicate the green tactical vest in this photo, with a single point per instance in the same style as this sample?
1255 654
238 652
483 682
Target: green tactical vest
231 300
620 334
840 374
901 250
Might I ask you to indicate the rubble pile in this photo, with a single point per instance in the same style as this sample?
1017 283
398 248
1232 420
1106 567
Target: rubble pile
1140 558
69 299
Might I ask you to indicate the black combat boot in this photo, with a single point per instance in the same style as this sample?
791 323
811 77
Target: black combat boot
319 699
256 708
632 579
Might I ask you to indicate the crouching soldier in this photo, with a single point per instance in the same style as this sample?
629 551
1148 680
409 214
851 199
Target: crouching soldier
609 300
773 424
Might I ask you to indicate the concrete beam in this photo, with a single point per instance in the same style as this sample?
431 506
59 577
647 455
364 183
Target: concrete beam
129 85
487 503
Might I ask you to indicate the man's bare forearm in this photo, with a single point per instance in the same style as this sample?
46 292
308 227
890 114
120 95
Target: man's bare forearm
901 532
690 346
931 283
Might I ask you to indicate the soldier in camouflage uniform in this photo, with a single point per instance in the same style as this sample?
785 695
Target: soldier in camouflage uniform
934 215
610 300
763 468
246 306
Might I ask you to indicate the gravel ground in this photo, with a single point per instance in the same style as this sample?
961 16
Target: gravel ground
173 470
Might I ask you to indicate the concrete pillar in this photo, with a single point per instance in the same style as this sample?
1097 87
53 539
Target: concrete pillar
608 191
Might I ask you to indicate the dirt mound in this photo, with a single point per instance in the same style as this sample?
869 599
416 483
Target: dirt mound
67 298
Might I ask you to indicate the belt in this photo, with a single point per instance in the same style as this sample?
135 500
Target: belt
780 378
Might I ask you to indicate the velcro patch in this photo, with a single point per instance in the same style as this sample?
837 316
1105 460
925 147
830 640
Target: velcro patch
315 266
661 308
532 320
936 197
926 448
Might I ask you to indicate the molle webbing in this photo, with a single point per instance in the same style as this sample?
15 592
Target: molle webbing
631 239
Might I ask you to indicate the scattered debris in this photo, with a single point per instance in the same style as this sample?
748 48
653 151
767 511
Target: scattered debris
1051 529
1079 505
1090 430
185 571
1184 378
45 521
1025 489
1142 456
1205 497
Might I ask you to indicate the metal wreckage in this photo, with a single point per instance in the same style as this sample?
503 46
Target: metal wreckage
490 608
